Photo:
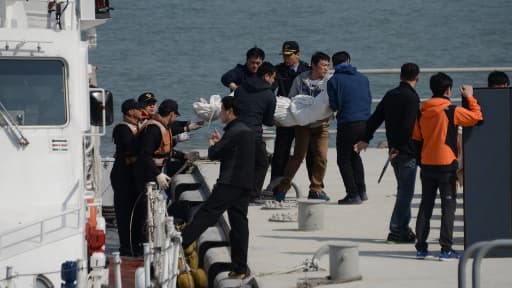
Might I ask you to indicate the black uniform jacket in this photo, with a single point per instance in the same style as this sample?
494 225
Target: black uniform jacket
256 103
285 76
235 150
399 108
149 141
126 145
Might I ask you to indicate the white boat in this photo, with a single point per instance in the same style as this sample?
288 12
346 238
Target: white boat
51 122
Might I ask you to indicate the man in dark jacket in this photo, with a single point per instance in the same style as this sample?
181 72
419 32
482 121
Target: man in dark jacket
349 96
155 146
399 109
257 104
236 76
235 150
122 175
286 73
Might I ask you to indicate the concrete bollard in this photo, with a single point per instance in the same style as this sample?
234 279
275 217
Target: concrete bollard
311 214
344 261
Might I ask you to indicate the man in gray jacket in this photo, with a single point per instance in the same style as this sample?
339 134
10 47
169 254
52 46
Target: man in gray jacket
317 133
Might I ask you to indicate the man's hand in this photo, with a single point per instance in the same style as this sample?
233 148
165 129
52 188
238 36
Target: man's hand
277 124
393 152
215 137
233 86
360 146
466 90
163 181
195 125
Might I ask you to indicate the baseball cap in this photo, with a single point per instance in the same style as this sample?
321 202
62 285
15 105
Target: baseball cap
147 98
290 47
129 105
167 106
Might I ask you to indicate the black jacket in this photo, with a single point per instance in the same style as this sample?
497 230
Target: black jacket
285 76
257 104
399 108
235 150
149 141
236 75
126 146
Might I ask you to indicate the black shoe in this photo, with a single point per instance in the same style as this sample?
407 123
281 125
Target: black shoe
350 200
395 238
321 196
363 196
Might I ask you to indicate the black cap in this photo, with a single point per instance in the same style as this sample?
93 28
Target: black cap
168 106
129 105
146 98
290 47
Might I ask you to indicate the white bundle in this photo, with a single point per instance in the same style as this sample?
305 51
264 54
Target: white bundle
208 111
303 110
282 113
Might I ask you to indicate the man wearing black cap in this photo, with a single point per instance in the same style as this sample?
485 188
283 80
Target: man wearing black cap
122 175
286 73
147 102
155 146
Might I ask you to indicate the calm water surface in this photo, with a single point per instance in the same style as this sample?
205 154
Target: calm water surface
180 49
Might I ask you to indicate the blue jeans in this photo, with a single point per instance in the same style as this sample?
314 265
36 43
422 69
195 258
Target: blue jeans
404 167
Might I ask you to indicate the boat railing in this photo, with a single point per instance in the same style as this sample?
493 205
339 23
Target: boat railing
42 228
478 251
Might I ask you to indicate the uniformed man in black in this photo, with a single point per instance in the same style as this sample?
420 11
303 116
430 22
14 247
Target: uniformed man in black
286 73
155 146
122 177
235 150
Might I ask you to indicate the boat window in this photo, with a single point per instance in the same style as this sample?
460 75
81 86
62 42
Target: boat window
33 91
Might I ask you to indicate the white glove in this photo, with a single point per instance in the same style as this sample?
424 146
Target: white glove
163 181
185 136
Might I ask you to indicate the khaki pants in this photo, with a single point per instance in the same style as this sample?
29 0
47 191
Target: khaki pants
303 135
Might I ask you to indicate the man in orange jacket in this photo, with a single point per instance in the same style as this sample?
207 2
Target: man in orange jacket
437 128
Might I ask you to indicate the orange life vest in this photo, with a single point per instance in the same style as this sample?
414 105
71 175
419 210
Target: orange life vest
164 150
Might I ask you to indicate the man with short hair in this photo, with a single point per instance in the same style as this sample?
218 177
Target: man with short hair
399 109
349 95
498 79
286 73
235 150
257 104
122 176
311 83
234 77
437 128
155 146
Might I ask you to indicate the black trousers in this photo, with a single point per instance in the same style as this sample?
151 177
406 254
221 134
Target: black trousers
430 182
349 162
260 167
236 201
125 194
282 149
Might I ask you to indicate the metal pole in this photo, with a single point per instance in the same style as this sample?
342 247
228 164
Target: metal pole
481 254
147 265
176 255
9 276
117 270
165 269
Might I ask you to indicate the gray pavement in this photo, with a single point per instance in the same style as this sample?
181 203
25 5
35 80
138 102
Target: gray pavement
278 249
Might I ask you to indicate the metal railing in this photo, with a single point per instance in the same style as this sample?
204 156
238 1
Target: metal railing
42 231
478 251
